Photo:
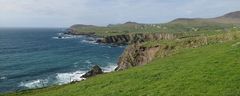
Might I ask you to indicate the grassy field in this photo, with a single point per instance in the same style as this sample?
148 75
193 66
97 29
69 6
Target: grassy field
224 23
209 70
132 27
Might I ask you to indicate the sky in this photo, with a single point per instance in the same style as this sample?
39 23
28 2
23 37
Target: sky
64 13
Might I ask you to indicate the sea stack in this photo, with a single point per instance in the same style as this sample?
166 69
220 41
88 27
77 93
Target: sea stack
94 71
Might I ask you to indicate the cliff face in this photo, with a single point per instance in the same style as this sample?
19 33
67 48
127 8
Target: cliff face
137 54
135 38
117 39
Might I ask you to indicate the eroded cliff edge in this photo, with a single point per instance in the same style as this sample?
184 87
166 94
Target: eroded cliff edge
137 53
128 39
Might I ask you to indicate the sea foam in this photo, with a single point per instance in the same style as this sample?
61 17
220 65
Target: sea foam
3 78
34 83
109 68
65 36
61 78
89 42
64 78
88 62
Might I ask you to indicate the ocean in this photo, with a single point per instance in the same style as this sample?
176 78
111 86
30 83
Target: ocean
36 57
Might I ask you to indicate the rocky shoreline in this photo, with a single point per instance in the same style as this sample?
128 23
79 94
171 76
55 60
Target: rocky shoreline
135 54
124 39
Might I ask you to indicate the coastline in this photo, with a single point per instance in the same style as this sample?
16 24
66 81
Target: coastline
111 41
145 55
71 77
63 78
62 62
187 56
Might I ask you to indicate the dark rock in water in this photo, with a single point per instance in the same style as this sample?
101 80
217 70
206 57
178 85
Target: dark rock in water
60 37
68 31
100 40
94 71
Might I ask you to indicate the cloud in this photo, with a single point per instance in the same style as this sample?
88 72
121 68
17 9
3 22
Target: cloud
63 13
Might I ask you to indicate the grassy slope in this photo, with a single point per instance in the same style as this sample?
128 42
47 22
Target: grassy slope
211 70
193 28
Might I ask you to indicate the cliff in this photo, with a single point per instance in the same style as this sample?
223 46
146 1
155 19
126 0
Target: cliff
137 55
135 38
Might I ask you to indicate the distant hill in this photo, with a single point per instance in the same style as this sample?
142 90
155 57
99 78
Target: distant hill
126 24
233 15
221 23
82 26
230 18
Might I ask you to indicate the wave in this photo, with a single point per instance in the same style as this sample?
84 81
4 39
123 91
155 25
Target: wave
64 78
89 41
109 68
106 56
61 78
66 36
75 62
3 78
34 83
88 62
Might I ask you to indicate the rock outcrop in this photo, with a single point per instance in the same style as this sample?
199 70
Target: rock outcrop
135 38
137 54
117 39
94 71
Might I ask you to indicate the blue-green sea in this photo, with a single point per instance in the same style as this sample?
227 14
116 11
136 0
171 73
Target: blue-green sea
36 57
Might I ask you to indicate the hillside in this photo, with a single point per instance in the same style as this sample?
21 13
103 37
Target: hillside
113 29
229 18
209 70
181 25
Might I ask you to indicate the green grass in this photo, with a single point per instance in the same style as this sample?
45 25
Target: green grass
210 70
191 29
160 42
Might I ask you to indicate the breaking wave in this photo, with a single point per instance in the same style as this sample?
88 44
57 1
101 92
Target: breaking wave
109 68
60 78
64 78
34 83
88 62
89 41
66 36
3 78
